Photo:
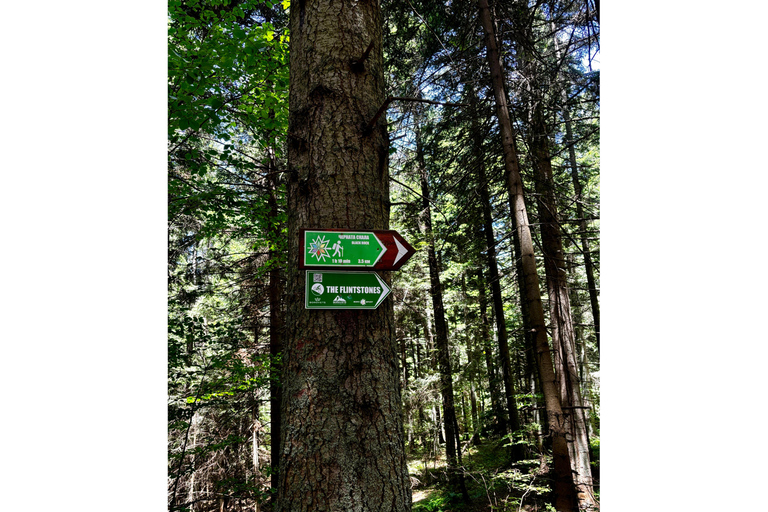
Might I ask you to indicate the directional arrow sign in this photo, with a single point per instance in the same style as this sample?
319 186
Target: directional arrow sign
344 290
383 249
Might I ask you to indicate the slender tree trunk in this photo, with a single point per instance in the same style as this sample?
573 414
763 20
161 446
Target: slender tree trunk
404 360
560 313
275 325
191 495
493 278
581 346
431 355
254 396
418 373
342 429
472 363
486 337
563 488
441 331
589 267
255 447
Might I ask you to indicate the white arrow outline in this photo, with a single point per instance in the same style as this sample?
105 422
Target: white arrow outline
401 251
383 293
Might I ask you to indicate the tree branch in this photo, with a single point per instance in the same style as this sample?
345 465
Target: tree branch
368 128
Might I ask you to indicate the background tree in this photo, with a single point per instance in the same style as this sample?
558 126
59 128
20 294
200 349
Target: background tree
227 106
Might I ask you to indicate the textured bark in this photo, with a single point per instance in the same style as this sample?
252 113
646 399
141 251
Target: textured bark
563 488
342 436
560 312
563 339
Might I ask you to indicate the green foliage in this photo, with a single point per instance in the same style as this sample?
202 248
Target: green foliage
594 450
442 502
228 92
227 120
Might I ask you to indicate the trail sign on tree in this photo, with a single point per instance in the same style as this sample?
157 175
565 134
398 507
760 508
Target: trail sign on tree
344 290
383 249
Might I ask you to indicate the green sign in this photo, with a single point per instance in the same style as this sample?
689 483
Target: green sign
328 248
329 289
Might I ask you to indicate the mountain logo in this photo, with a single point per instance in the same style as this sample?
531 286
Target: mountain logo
339 300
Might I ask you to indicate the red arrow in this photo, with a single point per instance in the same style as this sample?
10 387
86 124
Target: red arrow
398 250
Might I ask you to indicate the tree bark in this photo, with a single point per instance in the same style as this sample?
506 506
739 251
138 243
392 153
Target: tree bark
560 312
555 265
563 488
342 435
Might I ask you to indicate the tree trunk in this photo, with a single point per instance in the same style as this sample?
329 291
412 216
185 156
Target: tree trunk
275 326
485 334
342 434
441 331
255 448
191 495
472 363
563 340
563 488
493 278
589 267
560 312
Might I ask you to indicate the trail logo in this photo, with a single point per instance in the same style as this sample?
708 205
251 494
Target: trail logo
319 248
318 289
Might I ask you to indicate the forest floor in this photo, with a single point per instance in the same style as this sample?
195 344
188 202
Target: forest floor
493 484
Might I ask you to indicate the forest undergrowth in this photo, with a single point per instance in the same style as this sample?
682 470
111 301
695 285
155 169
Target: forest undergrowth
493 484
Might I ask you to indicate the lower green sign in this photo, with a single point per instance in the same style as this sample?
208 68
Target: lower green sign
344 290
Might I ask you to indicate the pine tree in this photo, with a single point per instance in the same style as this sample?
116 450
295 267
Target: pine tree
342 433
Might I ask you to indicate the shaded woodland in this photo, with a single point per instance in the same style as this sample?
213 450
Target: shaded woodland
489 132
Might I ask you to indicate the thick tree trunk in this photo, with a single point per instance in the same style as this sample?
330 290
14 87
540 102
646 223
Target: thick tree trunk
342 434
560 312
563 488
563 338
